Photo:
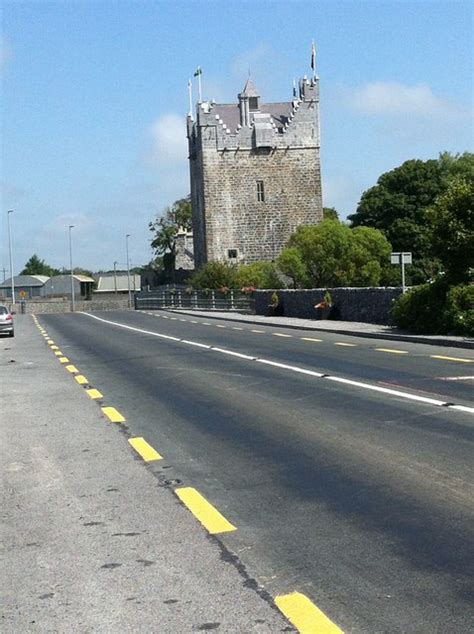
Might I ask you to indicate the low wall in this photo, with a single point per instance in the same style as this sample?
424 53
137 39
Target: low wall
368 305
65 307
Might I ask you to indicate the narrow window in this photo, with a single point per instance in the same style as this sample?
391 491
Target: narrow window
232 254
260 192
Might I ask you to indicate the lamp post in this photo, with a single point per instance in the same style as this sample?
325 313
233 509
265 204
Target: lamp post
128 272
11 256
73 300
115 276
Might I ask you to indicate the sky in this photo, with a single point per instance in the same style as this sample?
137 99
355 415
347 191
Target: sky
94 99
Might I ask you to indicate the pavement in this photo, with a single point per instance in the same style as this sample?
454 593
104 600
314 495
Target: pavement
353 328
93 538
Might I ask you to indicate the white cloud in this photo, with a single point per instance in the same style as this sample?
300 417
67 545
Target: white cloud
391 97
169 141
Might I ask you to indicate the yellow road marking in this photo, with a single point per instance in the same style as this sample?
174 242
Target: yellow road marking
460 360
72 369
93 393
81 379
392 351
50 341
259 331
280 334
64 360
113 415
305 616
311 339
209 516
58 353
349 345
54 347
145 450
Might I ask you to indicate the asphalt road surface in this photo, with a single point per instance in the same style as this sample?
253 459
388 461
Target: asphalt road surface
354 487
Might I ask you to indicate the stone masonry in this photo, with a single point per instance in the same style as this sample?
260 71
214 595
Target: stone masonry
255 174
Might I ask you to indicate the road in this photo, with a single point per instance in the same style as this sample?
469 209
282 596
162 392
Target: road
360 498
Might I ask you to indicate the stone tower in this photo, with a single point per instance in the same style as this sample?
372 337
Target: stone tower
255 173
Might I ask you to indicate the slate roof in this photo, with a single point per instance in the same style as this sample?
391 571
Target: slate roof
230 113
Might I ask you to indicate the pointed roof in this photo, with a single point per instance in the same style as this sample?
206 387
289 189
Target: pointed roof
249 90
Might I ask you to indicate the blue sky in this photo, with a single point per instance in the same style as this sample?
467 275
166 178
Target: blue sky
94 99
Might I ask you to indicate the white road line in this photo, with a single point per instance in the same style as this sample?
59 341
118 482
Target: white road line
293 368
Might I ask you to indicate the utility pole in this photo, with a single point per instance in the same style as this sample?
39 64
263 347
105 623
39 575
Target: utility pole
115 276
73 299
128 272
11 256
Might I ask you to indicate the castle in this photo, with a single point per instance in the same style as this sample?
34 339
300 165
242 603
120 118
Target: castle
255 173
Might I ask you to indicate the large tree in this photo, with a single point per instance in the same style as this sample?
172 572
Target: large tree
398 204
36 266
165 228
332 254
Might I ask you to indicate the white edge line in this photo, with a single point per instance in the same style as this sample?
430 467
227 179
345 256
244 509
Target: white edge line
385 390
195 343
284 366
234 354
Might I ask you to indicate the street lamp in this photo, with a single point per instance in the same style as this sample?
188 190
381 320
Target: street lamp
73 302
11 255
128 273
115 276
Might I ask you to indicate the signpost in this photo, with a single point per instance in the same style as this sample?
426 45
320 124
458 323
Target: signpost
401 258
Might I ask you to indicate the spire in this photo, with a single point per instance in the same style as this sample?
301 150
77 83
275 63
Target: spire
249 90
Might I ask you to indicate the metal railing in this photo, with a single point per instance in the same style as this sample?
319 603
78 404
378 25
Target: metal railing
195 300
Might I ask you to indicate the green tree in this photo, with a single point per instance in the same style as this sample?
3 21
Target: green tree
330 213
398 204
36 266
451 229
165 228
333 254
215 275
290 262
259 275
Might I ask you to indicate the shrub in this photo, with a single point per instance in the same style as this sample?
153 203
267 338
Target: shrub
435 309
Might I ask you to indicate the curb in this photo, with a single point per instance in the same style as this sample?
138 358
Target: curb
439 341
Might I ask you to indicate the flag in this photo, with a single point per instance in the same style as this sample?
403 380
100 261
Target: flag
198 72
313 56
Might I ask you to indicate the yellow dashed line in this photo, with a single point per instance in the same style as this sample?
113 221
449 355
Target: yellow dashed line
311 339
458 359
93 393
209 516
58 353
81 379
50 341
72 369
145 450
348 345
305 616
64 360
280 334
54 347
390 350
113 415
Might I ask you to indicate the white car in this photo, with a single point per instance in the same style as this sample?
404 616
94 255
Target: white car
6 321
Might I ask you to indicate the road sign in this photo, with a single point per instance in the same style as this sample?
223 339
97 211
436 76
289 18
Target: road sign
398 257
22 294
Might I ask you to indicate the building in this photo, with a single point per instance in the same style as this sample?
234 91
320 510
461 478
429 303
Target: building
26 286
255 173
60 286
115 283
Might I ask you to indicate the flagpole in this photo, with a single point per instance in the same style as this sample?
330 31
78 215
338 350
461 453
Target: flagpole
200 88
190 90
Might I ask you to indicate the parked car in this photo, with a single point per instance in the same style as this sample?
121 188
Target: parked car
6 321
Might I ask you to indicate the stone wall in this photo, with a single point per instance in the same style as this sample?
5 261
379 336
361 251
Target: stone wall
65 306
369 305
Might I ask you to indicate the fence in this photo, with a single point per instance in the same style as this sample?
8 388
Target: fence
197 300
